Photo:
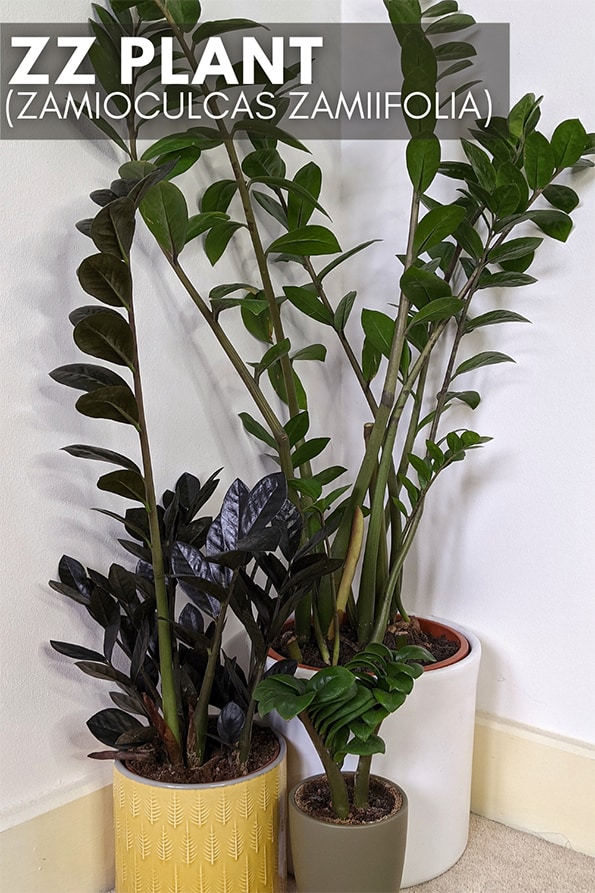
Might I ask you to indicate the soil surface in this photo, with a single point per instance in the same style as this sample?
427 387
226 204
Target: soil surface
314 799
439 646
221 763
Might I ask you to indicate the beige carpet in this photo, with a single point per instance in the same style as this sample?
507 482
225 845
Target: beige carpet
501 860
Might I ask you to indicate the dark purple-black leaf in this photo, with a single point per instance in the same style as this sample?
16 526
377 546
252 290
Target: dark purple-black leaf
73 574
86 377
77 652
285 667
230 723
264 502
109 724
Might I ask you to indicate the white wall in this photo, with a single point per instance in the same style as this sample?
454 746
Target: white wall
516 561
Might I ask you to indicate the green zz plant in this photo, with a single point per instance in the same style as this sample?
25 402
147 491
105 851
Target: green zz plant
483 238
342 709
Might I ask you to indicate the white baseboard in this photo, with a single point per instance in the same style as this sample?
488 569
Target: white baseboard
536 782
522 777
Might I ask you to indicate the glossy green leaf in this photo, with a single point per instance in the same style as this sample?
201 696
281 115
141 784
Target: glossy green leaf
379 330
218 196
469 239
437 311
470 398
213 29
454 50
297 427
185 13
339 260
293 189
513 248
309 450
555 224
506 280
218 239
272 206
275 375
315 352
257 430
107 278
112 229
454 22
125 483
569 141
422 286
485 358
562 197
272 356
481 164
509 175
539 160
522 113
443 8
117 404
461 65
343 311
435 226
107 336
308 240
308 302
493 317
264 163
201 223
165 212
423 160
300 209
258 324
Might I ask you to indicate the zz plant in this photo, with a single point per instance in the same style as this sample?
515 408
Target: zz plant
342 709
505 190
172 663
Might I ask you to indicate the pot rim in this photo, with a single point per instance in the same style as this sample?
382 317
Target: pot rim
457 634
212 785
355 825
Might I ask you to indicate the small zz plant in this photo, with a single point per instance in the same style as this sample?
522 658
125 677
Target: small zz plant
342 709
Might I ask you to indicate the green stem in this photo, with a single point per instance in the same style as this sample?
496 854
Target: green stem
201 715
361 784
335 778
169 697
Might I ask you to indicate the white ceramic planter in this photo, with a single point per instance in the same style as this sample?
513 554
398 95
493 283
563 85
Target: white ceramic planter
429 752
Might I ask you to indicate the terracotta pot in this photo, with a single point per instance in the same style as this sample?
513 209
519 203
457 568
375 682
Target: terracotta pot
429 749
200 838
431 626
339 858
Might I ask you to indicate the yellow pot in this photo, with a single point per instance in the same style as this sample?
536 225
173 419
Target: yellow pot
227 837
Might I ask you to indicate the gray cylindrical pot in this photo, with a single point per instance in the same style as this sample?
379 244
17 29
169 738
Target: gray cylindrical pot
337 858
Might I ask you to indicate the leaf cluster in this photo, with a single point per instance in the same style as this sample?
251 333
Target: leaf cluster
246 558
342 708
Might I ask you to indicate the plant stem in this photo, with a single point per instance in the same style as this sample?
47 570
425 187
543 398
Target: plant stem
336 780
361 783
201 715
169 697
